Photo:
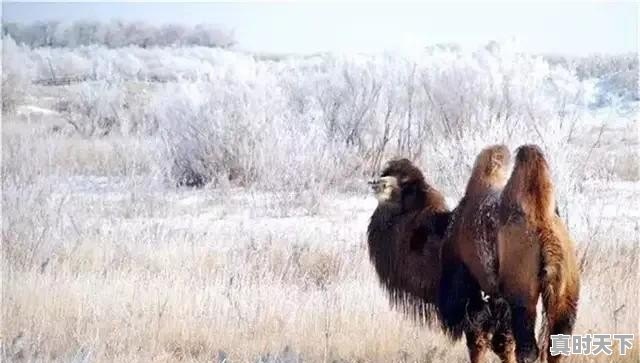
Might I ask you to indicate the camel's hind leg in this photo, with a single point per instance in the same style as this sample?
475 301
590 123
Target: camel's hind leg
562 326
560 320
524 323
561 316
560 283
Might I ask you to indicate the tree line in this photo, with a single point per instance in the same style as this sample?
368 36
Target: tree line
117 33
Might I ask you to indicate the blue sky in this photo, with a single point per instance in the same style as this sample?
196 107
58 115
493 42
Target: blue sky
550 27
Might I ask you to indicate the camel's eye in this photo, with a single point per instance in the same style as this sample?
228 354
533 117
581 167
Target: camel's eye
389 181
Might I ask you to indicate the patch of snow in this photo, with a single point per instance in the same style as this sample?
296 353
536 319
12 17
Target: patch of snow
32 109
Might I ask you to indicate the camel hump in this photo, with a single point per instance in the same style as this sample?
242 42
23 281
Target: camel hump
530 186
489 170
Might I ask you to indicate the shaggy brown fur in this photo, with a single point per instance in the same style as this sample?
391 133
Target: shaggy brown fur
405 239
471 246
507 233
473 231
536 254
505 238
405 236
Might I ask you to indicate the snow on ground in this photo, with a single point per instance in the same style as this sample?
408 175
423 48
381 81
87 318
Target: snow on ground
33 109
610 208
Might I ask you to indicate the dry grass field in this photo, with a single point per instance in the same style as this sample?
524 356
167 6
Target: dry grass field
109 255
102 264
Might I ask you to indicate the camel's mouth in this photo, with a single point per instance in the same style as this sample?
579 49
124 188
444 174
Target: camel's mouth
383 187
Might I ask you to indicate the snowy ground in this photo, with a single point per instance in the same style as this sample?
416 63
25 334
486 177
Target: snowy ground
610 205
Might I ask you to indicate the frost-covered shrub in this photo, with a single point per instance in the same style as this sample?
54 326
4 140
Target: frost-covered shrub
493 95
324 121
207 133
615 76
93 108
16 77
101 108
243 132
51 64
328 119
438 108
133 63
617 88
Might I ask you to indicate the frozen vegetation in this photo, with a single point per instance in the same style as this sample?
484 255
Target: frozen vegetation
116 33
192 203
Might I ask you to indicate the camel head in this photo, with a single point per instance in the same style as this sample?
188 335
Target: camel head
400 183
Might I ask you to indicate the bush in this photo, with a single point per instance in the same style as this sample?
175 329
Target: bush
16 79
616 76
101 108
205 134
300 124
94 109
305 124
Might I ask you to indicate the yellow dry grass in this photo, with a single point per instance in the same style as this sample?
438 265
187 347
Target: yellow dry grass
112 293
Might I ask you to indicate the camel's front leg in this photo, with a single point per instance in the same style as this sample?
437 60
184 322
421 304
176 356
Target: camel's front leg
478 344
504 346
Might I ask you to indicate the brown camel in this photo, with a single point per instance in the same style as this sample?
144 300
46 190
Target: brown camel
537 255
470 248
405 237
507 234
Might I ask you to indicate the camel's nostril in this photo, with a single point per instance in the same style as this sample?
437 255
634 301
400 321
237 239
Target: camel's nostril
375 185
